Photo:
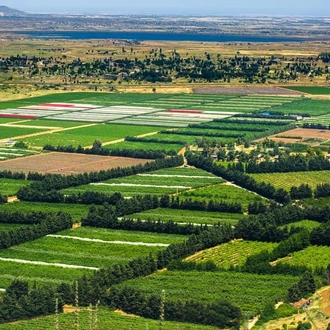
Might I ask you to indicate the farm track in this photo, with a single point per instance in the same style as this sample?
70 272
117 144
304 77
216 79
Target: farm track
107 242
123 139
42 263
57 130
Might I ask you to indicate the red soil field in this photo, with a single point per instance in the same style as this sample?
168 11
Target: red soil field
67 163
9 115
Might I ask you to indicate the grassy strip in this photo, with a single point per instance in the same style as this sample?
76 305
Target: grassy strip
9 187
187 216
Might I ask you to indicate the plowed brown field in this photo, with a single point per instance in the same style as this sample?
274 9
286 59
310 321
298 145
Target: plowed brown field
67 163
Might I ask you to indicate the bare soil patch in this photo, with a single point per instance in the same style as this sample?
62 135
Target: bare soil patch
67 163
301 135
246 90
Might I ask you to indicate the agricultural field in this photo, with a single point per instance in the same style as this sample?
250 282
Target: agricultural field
188 216
11 132
248 291
317 202
77 211
317 90
290 179
301 135
224 192
67 163
70 254
323 119
11 152
49 123
130 145
154 183
106 320
85 135
231 254
9 187
312 257
309 224
305 106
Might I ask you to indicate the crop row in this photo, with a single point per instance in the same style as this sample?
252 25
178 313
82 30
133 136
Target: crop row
231 254
248 291
290 179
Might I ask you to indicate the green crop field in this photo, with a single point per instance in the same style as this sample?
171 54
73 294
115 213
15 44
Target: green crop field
316 202
8 120
153 183
290 179
306 106
312 257
309 224
10 132
9 187
77 253
106 320
231 254
85 136
123 235
145 146
12 152
77 211
318 90
248 291
223 192
188 216
323 119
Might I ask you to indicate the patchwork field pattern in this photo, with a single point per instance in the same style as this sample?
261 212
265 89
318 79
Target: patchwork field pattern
67 163
72 253
169 181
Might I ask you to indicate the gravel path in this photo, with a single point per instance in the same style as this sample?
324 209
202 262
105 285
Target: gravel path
96 240
42 263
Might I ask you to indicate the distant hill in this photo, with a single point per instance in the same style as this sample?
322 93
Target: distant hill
10 12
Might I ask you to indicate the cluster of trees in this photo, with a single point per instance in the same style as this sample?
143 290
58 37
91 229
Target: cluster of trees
97 149
322 190
20 302
290 163
12 175
304 288
315 125
49 223
321 235
3 199
161 67
221 314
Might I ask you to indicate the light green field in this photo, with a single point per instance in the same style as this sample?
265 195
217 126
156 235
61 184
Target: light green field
106 320
223 192
231 254
290 179
51 123
77 211
312 257
7 132
188 216
9 187
309 224
153 183
145 146
85 136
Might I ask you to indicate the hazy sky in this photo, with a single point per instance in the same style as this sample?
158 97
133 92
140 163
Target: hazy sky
180 7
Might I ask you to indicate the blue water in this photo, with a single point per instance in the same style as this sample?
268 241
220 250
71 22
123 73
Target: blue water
140 36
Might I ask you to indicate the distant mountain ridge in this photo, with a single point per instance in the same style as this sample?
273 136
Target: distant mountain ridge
10 12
